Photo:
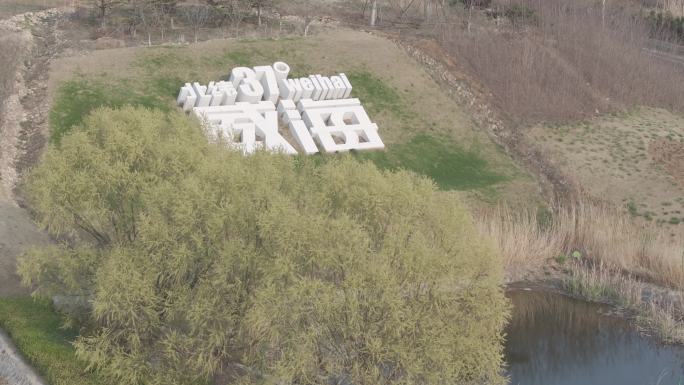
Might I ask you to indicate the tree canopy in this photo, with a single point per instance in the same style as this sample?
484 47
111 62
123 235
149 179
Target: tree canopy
304 270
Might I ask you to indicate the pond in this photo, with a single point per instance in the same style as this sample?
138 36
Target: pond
556 340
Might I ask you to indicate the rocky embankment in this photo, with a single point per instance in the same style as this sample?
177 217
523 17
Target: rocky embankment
22 137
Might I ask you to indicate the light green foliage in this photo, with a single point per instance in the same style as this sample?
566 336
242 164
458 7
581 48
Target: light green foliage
307 272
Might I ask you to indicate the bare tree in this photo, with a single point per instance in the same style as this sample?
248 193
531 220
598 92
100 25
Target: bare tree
161 13
234 10
237 11
197 16
260 5
302 9
400 7
143 16
103 7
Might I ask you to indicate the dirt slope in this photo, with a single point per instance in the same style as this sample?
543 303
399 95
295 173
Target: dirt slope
22 138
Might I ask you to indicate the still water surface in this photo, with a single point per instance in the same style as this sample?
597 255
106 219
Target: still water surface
556 340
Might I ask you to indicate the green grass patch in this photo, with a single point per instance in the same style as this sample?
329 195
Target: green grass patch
77 97
449 165
376 95
37 331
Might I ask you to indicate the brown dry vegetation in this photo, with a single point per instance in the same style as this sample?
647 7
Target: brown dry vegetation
599 233
563 63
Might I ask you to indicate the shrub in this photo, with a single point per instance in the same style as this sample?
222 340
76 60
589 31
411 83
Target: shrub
194 257
666 25
520 14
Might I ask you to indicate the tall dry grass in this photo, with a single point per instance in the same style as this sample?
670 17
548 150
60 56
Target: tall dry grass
657 312
602 234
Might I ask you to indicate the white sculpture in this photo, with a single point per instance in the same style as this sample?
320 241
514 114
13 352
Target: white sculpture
343 119
317 109
249 125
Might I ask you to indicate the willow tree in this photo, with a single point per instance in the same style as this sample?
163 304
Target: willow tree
305 271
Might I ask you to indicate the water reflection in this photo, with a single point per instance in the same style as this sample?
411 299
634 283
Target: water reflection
555 340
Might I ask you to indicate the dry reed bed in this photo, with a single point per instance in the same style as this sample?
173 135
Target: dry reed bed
599 233
659 313
607 257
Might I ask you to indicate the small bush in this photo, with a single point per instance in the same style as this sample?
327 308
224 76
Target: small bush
520 14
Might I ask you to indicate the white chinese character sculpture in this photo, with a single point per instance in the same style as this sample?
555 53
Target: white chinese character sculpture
317 109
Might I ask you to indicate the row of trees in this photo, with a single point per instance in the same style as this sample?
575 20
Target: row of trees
157 15
325 271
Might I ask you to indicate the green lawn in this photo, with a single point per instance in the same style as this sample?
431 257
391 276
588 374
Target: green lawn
37 331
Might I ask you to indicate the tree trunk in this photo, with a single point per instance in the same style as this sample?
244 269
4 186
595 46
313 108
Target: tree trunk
307 24
103 13
603 14
259 14
374 13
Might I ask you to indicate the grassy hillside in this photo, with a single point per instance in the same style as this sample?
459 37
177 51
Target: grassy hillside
423 129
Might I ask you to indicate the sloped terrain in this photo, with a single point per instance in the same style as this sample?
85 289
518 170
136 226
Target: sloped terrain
634 160
424 130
